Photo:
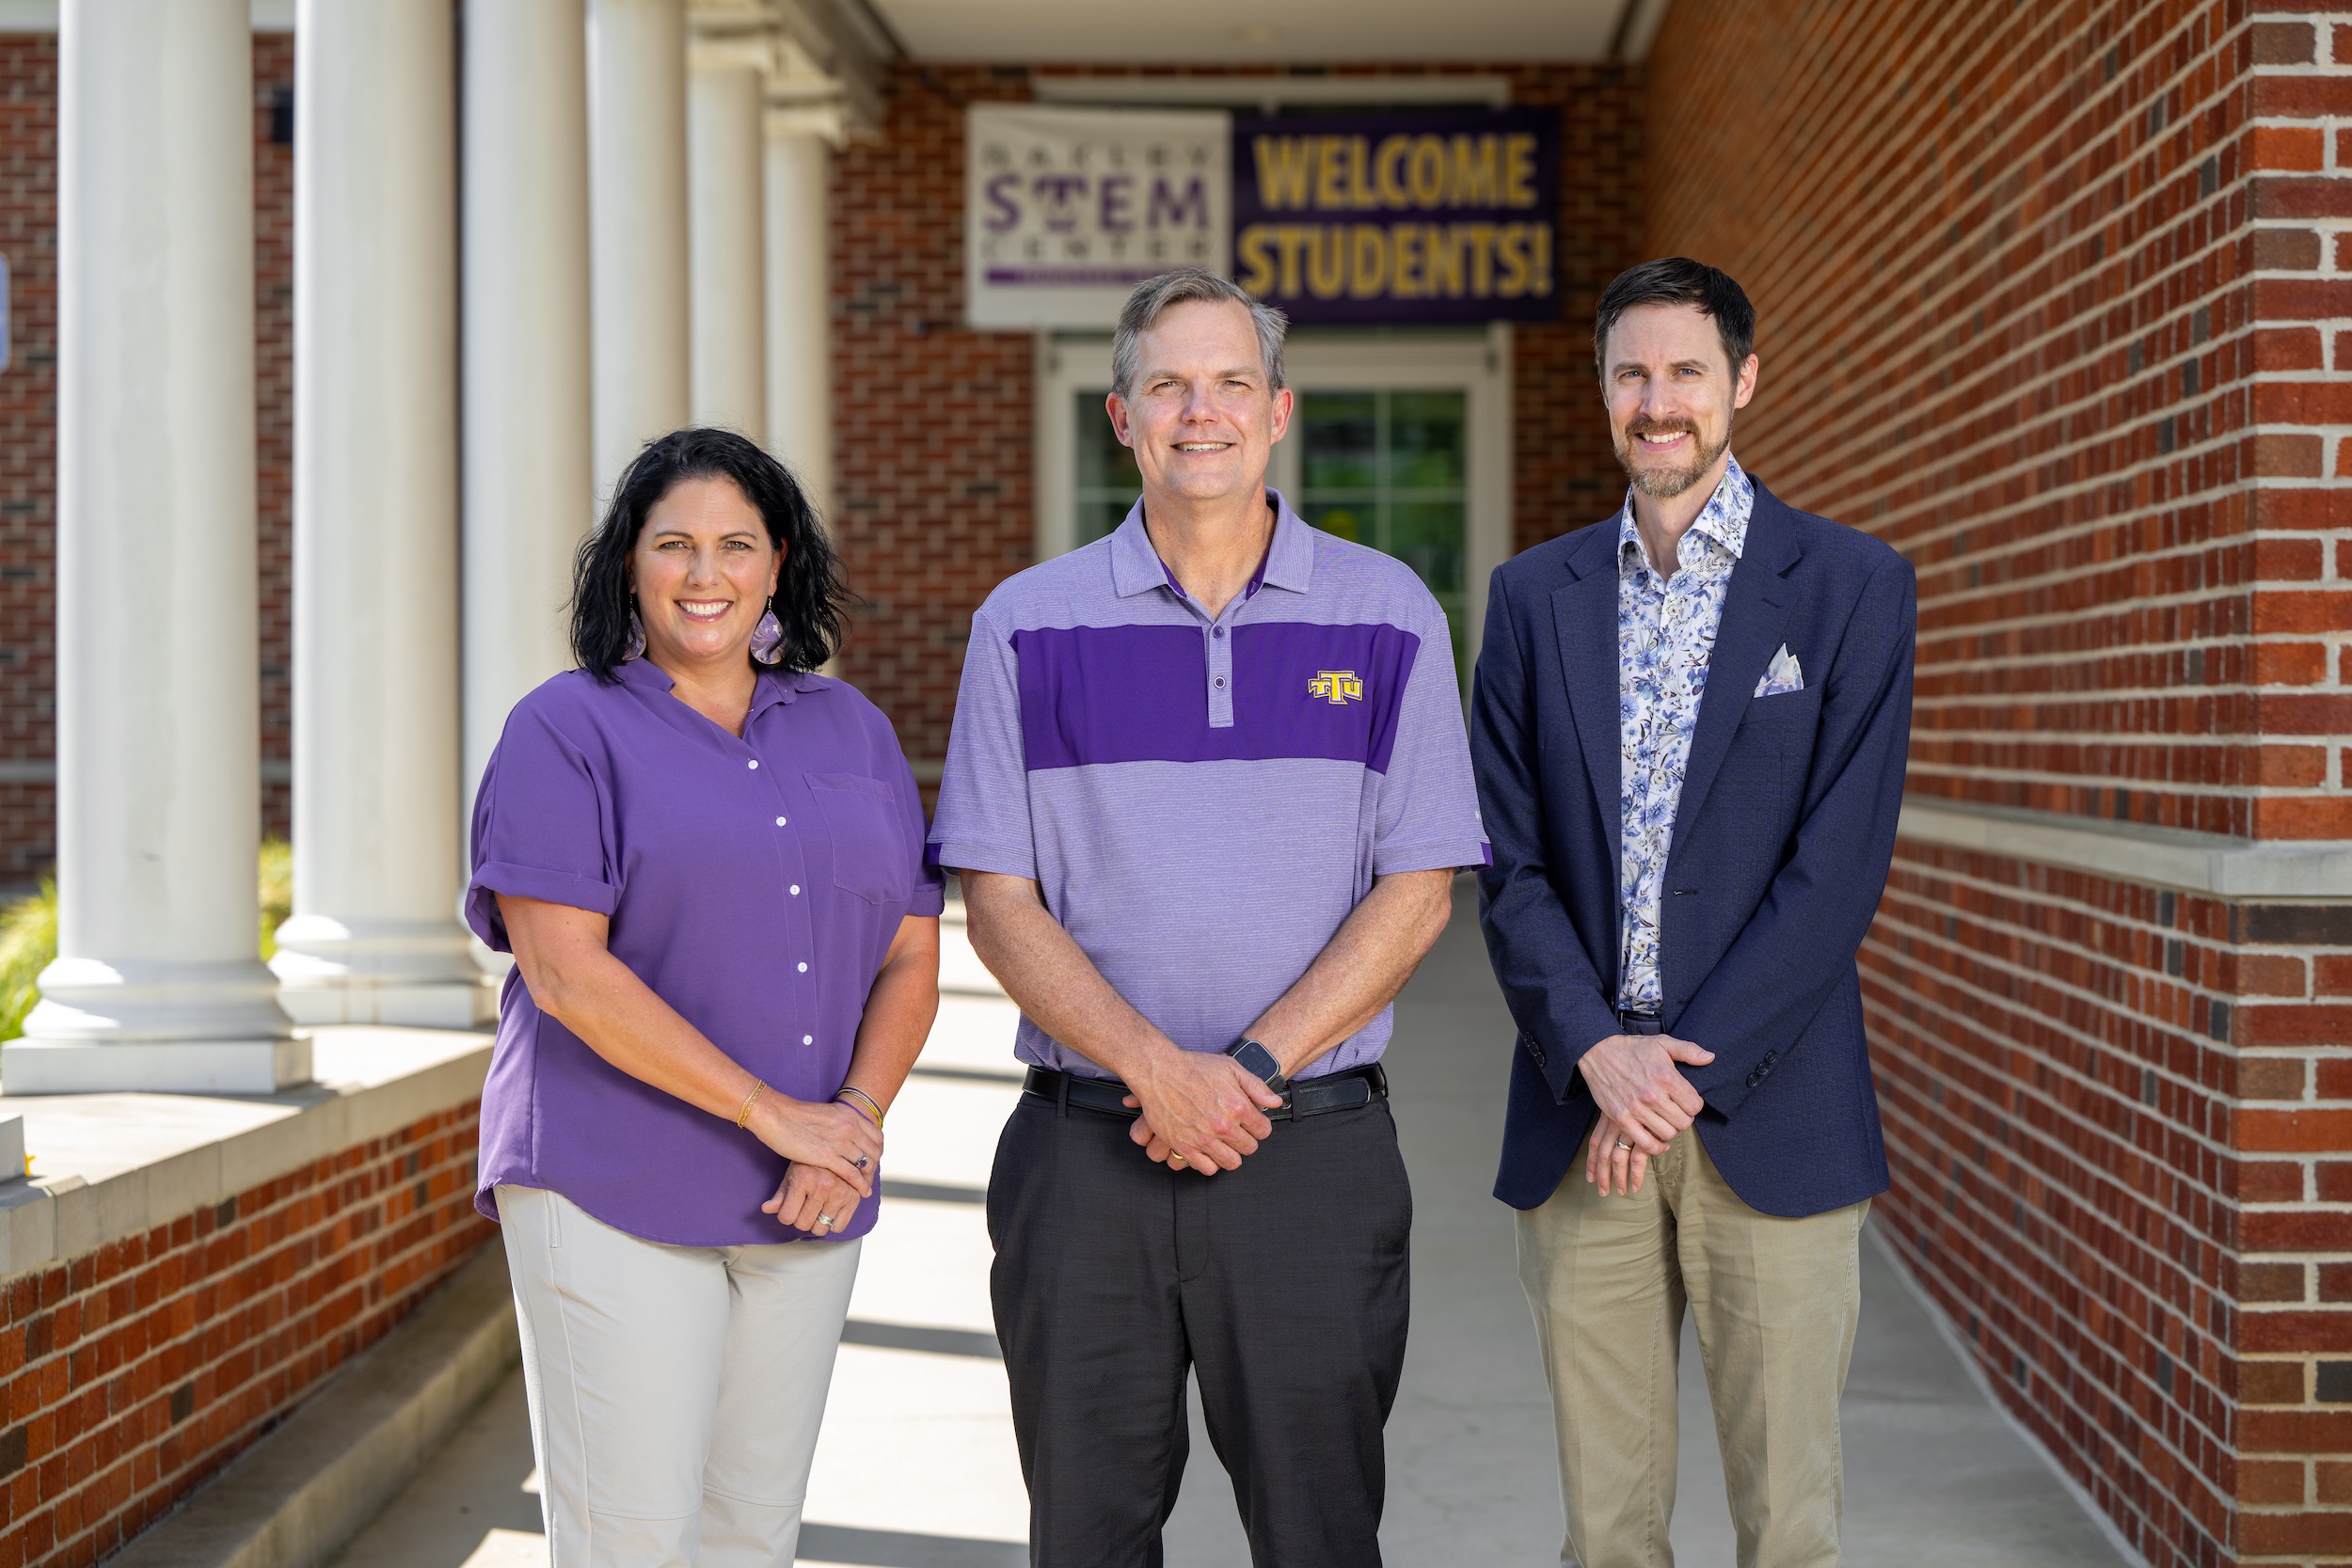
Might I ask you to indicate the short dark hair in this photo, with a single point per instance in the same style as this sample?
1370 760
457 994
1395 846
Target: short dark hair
1678 281
810 598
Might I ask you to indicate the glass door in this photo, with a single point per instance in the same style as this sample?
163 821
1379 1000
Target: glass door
1390 468
1106 483
1401 440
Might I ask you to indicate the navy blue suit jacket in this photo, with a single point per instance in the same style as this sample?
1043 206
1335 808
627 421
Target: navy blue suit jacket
1782 840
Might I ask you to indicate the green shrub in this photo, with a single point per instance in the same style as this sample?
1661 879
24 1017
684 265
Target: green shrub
277 891
28 940
28 933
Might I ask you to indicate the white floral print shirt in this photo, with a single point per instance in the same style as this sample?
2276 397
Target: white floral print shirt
1665 632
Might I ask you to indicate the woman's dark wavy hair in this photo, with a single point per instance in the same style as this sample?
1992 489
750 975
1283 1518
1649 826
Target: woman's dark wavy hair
810 600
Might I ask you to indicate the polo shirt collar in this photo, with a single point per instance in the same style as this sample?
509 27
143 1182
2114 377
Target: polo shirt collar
1289 564
1135 566
1290 561
769 687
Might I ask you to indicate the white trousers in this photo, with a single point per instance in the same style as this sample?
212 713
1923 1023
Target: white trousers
676 1392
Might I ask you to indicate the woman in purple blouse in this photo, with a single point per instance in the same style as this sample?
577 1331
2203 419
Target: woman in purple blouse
707 861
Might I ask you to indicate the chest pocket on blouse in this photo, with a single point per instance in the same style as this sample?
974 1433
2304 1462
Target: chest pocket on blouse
862 819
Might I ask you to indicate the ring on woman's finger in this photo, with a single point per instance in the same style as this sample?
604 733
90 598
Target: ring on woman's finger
823 1221
858 1163
1626 1143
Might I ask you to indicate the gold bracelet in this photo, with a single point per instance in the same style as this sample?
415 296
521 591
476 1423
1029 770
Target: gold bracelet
872 1109
744 1116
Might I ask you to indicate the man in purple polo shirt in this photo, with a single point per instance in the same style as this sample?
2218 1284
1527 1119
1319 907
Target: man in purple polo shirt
1207 790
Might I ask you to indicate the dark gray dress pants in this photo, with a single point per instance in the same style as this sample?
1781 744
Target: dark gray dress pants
1283 1283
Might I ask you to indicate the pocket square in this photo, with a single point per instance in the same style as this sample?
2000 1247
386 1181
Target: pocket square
1782 675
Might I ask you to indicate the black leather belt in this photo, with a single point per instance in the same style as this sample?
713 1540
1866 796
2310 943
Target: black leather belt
1333 1091
1639 1023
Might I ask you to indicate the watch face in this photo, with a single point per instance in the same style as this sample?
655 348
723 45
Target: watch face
1258 1059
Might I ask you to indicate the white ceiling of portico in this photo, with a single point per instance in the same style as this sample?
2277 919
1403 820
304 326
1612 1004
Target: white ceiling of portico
1246 32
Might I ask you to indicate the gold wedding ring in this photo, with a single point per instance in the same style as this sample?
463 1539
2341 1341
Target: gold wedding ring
1625 1144
1175 1161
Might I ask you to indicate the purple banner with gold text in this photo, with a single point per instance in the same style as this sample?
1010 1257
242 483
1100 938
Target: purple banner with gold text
1443 215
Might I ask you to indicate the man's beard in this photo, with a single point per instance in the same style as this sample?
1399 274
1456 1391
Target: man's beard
1664 484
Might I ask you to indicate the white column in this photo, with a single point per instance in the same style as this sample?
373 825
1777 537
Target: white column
527 483
637 212
800 303
158 984
727 305
375 938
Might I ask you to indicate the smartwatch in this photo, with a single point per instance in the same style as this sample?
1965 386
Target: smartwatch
1258 1059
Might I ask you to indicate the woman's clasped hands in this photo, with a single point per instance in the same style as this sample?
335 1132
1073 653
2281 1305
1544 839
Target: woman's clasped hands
835 1152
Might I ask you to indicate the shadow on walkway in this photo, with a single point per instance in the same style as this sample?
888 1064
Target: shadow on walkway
917 1468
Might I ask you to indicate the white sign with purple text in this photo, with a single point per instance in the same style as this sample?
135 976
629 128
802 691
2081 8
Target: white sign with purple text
1067 209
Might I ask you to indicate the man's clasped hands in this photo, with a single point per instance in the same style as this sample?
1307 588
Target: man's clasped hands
1204 1112
1200 1111
1644 1104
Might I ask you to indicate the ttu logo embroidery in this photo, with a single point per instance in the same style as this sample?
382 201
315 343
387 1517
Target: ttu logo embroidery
1337 687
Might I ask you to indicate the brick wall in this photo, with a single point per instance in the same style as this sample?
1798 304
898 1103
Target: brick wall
28 391
28 440
132 1373
931 434
2050 300
1566 475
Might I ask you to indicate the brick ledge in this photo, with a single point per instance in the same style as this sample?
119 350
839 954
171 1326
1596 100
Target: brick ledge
107 1166
2168 857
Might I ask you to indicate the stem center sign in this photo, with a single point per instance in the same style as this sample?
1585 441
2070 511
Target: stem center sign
1444 215
1067 209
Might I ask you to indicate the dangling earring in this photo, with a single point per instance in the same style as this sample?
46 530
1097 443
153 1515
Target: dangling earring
636 638
768 637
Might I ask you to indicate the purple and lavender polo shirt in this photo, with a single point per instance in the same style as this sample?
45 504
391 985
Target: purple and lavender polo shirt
753 883
1203 801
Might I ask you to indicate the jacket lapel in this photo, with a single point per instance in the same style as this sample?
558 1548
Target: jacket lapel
1755 610
1584 615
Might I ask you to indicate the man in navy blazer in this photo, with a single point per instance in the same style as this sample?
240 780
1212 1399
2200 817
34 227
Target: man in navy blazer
1689 724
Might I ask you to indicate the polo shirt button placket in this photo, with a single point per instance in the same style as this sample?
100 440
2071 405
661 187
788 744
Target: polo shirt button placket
1220 646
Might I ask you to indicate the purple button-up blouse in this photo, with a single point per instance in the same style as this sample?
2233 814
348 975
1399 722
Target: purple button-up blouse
753 883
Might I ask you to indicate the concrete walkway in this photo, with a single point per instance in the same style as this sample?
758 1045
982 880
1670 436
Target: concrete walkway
917 1468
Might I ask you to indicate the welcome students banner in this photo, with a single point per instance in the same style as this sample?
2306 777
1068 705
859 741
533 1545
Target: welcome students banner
1443 215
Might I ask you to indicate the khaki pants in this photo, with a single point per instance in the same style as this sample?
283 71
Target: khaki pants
1775 1301
676 1392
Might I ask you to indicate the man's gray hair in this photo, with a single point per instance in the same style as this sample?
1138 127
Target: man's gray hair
1154 295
